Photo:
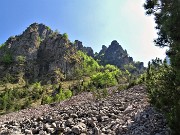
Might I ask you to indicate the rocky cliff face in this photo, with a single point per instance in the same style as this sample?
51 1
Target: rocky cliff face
116 55
38 54
88 50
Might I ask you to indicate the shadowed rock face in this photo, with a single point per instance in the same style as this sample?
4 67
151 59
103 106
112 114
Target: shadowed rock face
88 50
116 55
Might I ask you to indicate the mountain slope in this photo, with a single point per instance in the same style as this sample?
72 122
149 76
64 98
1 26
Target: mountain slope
37 54
126 112
42 66
40 54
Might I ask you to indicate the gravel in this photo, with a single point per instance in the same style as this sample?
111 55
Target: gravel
127 112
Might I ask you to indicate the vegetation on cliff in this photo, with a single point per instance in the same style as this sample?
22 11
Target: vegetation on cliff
43 66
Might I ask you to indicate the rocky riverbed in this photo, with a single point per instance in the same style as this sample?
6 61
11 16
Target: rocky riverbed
127 112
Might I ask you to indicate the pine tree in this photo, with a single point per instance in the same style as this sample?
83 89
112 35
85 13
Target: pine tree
167 18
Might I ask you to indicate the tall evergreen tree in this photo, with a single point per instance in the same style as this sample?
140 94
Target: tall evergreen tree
167 19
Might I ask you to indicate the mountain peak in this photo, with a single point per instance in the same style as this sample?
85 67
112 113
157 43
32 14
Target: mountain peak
114 42
115 45
41 29
116 55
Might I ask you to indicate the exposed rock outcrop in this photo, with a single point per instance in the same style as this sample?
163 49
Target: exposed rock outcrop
88 50
38 55
116 55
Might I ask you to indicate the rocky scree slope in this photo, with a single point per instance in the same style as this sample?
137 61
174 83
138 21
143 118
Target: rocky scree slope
126 112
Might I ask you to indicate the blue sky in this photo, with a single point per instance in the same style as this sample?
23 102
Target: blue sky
94 22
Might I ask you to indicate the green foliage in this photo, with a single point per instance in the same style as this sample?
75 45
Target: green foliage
122 87
78 73
21 59
132 83
68 93
48 28
111 68
39 39
20 98
59 74
88 64
100 93
2 45
65 36
104 79
47 100
134 68
129 67
60 96
9 100
101 77
104 92
36 91
8 78
167 18
7 58
163 92
27 103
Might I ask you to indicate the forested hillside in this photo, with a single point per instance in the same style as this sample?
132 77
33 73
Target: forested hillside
43 66
51 84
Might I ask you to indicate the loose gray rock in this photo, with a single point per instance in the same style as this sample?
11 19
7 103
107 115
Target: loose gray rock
127 112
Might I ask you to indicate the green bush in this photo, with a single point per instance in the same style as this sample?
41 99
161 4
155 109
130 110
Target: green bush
60 96
122 87
21 59
163 91
65 36
104 79
47 100
48 28
88 64
7 58
68 93
8 78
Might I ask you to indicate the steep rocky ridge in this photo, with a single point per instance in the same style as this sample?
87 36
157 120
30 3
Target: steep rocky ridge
88 50
40 54
43 51
116 55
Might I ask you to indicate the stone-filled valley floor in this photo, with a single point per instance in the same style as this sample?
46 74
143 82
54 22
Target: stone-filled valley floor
126 112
